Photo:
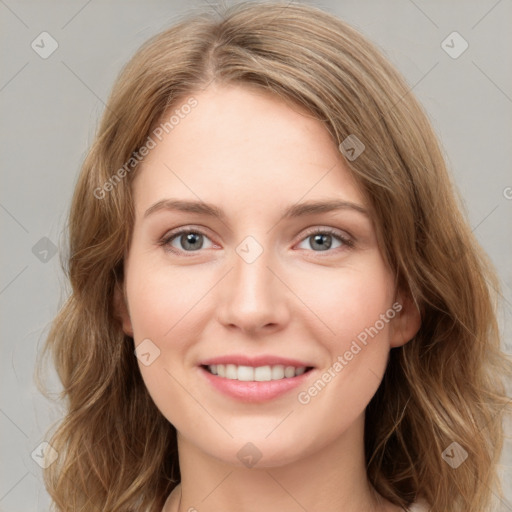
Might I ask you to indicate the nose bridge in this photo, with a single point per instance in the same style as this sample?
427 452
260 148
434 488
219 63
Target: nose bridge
253 297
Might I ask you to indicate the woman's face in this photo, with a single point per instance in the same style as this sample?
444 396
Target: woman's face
256 283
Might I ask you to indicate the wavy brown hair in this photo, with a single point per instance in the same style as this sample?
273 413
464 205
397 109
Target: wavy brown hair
117 452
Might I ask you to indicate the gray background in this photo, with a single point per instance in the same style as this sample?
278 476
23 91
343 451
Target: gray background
50 108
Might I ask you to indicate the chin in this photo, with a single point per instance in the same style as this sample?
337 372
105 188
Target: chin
259 453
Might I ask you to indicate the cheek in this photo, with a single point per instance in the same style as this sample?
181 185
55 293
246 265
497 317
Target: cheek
350 306
163 305
348 301
355 310
159 297
169 306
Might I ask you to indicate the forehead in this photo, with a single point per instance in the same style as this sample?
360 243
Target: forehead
240 145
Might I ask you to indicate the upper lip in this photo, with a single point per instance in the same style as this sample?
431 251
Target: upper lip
263 360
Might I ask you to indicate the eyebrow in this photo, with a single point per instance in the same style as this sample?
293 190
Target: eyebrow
295 210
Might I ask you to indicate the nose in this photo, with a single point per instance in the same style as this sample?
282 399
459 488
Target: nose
253 296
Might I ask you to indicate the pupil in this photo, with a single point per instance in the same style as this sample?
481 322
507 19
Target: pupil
320 239
191 238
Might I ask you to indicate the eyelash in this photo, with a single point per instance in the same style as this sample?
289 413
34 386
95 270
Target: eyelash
165 241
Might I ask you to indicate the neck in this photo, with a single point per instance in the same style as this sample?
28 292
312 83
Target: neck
332 479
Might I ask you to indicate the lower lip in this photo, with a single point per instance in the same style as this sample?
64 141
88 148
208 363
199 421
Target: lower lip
252 391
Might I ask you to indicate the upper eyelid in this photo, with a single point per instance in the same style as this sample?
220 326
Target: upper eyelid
186 229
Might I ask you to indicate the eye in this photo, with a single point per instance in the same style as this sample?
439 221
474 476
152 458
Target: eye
192 240
188 240
322 239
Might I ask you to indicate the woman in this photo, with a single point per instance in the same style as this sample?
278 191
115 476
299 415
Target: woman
276 304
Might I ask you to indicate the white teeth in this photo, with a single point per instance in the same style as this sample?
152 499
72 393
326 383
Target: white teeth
231 372
245 373
258 374
277 372
289 371
262 373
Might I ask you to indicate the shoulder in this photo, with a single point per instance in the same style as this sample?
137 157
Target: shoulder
171 504
419 506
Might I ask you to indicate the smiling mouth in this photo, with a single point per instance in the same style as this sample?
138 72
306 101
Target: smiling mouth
256 374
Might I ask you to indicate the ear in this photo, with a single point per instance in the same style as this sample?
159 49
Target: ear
121 310
407 321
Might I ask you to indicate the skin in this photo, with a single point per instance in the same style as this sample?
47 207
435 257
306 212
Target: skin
253 155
